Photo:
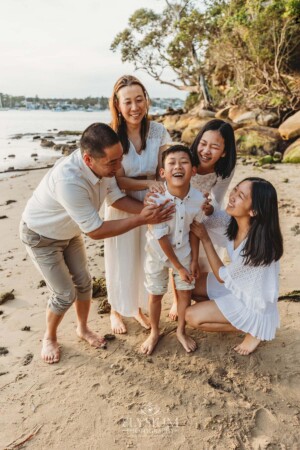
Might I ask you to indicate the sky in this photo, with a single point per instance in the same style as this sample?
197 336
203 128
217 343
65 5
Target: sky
61 48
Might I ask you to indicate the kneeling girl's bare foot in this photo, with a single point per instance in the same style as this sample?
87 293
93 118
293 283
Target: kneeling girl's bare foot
117 324
186 341
143 320
173 312
91 338
150 343
50 351
249 344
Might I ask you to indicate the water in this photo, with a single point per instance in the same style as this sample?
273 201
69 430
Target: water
13 122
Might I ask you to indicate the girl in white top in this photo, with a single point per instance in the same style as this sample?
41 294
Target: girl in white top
142 141
245 292
214 155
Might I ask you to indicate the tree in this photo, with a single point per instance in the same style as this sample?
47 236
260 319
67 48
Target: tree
171 42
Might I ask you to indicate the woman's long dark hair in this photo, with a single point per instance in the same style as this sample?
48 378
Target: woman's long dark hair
264 242
225 165
118 123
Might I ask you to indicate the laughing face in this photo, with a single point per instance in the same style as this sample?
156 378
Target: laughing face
132 104
177 170
210 149
240 200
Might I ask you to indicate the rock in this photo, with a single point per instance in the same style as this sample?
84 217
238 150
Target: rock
47 144
58 146
3 217
99 287
68 149
26 328
170 121
49 136
189 133
223 113
241 115
33 155
182 122
8 202
267 119
205 114
6 296
257 140
11 156
36 137
292 153
290 128
42 283
3 351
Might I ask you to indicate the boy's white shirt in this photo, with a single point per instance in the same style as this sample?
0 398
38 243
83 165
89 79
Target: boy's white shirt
178 227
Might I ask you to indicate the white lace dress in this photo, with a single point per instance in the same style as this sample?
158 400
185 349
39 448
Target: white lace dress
217 188
248 297
125 254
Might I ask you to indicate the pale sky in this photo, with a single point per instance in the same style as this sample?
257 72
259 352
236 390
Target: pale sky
60 48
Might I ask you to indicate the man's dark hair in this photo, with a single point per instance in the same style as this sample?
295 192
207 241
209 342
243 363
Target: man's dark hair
96 138
175 149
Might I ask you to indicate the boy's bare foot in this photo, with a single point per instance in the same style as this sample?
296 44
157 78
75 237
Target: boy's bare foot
173 312
249 344
150 343
187 342
91 338
117 324
143 320
50 351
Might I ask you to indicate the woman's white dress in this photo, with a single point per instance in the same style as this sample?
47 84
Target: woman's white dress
217 187
125 254
248 297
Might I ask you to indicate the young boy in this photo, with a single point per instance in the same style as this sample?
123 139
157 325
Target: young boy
171 245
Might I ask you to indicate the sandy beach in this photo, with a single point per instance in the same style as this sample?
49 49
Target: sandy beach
117 398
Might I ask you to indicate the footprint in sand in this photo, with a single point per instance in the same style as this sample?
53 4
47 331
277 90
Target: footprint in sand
265 426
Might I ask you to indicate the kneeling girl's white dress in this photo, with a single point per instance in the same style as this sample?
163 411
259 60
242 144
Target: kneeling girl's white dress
248 297
125 254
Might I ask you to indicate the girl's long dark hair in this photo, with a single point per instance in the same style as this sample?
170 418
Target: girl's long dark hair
118 122
225 165
264 242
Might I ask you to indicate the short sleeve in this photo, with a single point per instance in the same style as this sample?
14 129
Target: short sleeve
113 192
74 198
159 230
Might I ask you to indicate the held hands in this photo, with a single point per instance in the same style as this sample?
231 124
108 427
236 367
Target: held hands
195 270
200 231
185 275
206 206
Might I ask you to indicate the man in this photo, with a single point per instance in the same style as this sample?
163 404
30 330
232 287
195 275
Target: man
65 204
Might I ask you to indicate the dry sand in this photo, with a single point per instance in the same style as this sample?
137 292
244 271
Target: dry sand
117 398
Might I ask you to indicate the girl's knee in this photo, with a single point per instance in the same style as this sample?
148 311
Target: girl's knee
190 317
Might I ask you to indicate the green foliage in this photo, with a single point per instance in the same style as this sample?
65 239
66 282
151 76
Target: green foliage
191 101
247 51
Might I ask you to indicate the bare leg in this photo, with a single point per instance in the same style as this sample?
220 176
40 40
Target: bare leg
249 344
142 319
82 308
206 313
173 314
184 300
154 315
116 322
200 291
212 327
50 348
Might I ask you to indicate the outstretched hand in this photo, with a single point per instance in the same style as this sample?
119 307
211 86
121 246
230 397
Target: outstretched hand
153 214
200 231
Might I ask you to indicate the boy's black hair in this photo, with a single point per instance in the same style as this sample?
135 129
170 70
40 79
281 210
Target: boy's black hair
225 165
96 138
264 242
175 149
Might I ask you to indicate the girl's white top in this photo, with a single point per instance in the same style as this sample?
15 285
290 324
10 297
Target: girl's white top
125 254
248 297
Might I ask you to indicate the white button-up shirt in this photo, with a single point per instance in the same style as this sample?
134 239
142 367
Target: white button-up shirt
68 199
178 227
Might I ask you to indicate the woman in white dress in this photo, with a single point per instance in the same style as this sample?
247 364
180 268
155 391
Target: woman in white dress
142 141
244 293
214 154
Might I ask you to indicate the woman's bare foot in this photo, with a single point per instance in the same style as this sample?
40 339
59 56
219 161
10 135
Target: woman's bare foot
91 338
117 324
143 320
50 351
150 343
186 341
173 312
249 344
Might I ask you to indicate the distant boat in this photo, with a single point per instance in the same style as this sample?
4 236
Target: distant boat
1 106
